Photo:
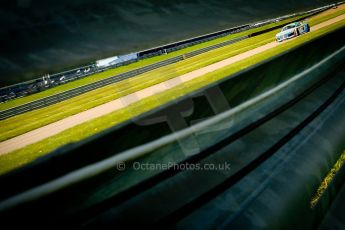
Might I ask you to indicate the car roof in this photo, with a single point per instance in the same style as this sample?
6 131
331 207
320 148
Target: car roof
291 24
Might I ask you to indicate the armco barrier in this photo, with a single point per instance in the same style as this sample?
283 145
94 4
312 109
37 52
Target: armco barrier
95 197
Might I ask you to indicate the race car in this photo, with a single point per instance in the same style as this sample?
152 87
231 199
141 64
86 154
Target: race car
292 30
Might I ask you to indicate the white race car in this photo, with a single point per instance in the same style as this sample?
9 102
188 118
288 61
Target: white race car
292 30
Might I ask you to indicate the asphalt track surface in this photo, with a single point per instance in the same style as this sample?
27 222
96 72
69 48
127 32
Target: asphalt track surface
69 122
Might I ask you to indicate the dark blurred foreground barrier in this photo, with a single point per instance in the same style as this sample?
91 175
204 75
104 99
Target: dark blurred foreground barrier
279 125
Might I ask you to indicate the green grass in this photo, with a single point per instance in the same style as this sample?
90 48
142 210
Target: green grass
31 152
23 123
318 20
119 70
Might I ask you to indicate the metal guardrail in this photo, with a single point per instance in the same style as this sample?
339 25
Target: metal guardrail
40 103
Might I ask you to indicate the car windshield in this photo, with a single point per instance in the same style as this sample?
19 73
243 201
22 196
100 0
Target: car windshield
289 27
